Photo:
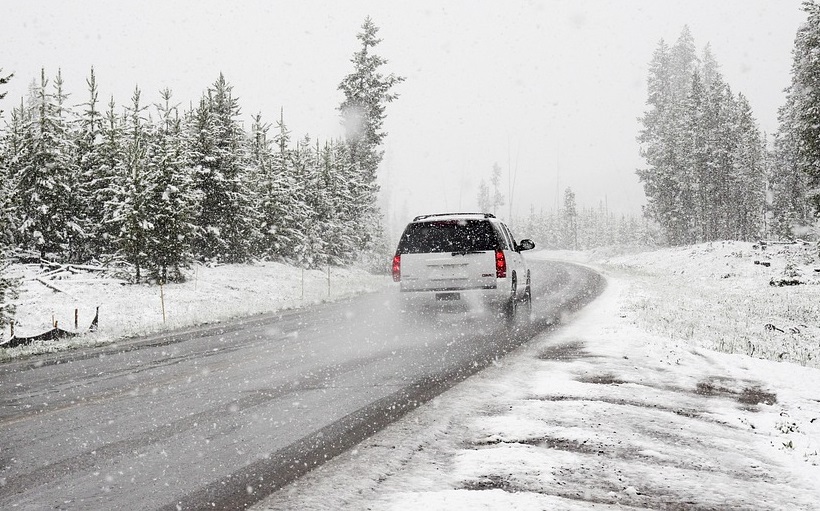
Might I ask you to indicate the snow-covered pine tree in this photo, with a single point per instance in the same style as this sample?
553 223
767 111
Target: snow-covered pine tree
366 94
341 173
698 143
497 197
803 101
3 81
74 214
330 206
569 226
281 199
90 163
8 152
15 140
717 181
45 175
747 200
311 253
788 183
173 201
485 203
226 221
133 189
105 184
660 146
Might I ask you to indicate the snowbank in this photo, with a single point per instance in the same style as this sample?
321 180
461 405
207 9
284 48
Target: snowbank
211 294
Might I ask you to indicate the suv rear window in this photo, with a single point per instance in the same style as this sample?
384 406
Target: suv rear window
449 236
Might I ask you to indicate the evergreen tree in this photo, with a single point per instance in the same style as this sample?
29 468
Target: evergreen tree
311 253
45 175
339 173
133 189
803 101
90 165
105 184
226 221
485 204
747 200
15 140
4 80
281 197
172 201
569 231
788 182
497 196
662 144
8 152
366 94
704 178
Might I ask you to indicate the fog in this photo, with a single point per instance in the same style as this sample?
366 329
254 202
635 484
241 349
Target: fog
550 90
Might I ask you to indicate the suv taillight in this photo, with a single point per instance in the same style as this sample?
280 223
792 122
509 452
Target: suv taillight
500 265
396 268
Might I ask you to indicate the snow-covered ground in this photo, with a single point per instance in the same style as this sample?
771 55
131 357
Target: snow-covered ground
624 406
647 398
211 294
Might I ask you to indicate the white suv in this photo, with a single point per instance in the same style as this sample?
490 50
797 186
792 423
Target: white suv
469 257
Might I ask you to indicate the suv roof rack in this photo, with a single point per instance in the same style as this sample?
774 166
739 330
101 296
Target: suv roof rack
422 217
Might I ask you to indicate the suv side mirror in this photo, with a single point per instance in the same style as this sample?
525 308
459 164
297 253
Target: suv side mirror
526 245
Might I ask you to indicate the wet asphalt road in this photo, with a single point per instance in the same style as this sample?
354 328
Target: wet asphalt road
219 417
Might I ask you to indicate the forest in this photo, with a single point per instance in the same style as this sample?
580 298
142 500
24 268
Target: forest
156 186
152 186
710 173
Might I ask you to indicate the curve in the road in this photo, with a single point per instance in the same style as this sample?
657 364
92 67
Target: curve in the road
573 290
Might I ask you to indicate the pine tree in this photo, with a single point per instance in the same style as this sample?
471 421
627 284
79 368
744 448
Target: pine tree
366 94
661 146
281 198
4 80
803 101
90 166
104 184
226 222
172 201
45 175
312 252
497 196
8 152
749 160
485 204
569 231
789 183
133 189
15 140
704 176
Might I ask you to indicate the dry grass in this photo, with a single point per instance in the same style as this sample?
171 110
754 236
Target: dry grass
716 296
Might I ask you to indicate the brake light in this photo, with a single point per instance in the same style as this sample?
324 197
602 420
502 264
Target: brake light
396 268
500 265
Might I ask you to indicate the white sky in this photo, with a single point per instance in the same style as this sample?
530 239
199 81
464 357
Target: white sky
539 86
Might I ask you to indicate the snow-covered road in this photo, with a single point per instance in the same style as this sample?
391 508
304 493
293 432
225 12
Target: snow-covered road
597 415
220 416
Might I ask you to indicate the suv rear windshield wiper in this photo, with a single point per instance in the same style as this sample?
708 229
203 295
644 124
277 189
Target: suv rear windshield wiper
465 252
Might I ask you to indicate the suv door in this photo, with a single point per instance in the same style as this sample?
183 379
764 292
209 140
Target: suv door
515 260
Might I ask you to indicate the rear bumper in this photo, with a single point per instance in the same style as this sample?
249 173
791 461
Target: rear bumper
455 296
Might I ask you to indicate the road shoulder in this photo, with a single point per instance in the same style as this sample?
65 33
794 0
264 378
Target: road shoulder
597 414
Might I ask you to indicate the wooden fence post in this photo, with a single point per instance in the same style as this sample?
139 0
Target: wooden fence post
162 299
